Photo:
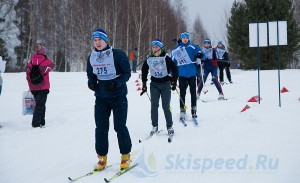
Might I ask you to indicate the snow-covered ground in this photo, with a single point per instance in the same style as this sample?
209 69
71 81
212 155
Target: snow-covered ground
229 146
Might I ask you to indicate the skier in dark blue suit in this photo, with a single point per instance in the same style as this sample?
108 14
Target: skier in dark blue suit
185 56
108 70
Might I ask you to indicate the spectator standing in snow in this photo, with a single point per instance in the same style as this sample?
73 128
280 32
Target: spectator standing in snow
210 66
133 59
223 62
184 56
108 70
160 66
39 90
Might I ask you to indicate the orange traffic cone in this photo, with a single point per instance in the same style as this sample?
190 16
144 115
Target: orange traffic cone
245 108
283 90
254 99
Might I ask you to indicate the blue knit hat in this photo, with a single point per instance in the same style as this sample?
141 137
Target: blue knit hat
207 41
157 42
185 34
100 33
220 42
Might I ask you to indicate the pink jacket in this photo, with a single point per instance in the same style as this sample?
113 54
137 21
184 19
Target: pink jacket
45 65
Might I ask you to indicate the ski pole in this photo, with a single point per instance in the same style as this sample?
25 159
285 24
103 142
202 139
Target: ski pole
146 93
204 91
148 96
185 107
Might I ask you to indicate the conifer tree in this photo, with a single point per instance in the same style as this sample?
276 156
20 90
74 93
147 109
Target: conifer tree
251 11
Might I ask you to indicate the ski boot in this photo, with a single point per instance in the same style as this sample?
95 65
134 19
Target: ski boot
170 131
125 161
154 130
194 112
221 97
102 162
182 114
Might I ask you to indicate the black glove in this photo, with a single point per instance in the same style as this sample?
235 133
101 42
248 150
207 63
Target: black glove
113 86
93 86
173 86
199 55
144 89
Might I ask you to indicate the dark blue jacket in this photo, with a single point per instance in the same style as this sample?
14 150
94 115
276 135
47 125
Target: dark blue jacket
122 66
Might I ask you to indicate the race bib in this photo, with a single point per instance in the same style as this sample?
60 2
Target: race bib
182 57
221 53
103 64
208 53
157 67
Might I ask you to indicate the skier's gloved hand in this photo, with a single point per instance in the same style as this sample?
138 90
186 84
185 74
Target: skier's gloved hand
113 86
93 86
173 86
144 89
199 55
203 61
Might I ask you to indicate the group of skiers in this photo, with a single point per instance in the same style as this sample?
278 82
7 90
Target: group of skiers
108 70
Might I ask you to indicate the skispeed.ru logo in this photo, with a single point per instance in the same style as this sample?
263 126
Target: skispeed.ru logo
177 162
145 168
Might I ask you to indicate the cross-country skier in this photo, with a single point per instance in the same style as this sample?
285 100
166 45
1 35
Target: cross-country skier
108 70
210 66
223 62
160 66
185 56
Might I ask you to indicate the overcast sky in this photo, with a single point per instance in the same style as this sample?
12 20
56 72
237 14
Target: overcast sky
210 12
